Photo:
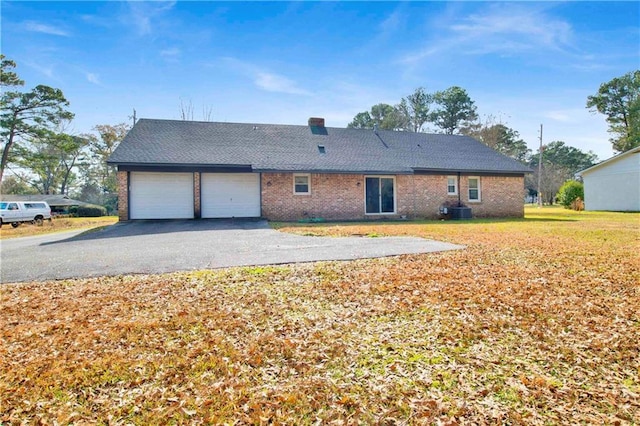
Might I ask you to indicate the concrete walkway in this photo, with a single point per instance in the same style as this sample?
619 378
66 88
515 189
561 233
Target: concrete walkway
180 245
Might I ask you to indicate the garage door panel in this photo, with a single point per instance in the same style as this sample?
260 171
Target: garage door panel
226 195
161 195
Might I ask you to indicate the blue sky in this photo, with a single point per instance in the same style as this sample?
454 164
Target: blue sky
527 63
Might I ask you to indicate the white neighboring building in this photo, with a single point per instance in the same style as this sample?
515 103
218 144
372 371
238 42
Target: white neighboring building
614 184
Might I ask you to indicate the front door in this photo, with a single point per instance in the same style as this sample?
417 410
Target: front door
380 195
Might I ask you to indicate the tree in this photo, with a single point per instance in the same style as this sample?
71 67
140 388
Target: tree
27 115
498 136
384 115
619 100
100 184
101 148
8 78
51 160
16 185
560 163
455 107
569 192
414 110
552 178
362 120
187 111
570 158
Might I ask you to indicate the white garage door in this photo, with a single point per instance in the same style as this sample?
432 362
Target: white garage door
230 195
161 195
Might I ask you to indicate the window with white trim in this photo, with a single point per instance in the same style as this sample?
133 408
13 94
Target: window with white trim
474 189
302 184
452 185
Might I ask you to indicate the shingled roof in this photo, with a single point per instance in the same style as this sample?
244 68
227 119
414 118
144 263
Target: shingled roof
273 147
57 200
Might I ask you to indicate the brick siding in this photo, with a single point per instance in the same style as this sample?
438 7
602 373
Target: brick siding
197 177
500 196
123 196
333 197
341 197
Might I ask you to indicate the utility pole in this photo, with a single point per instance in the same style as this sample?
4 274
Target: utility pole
540 171
133 116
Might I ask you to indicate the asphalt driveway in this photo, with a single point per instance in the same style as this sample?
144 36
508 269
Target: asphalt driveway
179 245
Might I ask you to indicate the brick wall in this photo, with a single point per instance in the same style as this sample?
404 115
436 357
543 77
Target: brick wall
333 197
501 196
341 196
123 196
196 195
420 196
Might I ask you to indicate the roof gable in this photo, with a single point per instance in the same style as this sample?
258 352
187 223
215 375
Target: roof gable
269 147
611 160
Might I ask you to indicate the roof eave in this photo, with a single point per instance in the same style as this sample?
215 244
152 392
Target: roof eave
635 150
333 171
421 170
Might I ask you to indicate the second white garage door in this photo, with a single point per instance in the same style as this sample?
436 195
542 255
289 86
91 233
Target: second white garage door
230 195
161 195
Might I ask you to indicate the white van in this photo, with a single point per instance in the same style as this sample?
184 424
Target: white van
16 212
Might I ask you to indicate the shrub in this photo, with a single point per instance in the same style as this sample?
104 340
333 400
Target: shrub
91 210
73 211
569 192
577 204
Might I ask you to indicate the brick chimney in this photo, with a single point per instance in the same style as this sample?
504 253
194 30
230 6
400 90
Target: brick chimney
316 122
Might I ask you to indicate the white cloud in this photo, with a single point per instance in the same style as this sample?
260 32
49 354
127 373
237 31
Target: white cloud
392 23
277 83
531 28
38 27
141 14
93 78
171 54
46 70
564 116
509 29
173 51
265 79
104 21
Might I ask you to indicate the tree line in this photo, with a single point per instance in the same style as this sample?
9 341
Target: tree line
41 153
452 111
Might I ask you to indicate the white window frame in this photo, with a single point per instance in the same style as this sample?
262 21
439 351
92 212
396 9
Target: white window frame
308 176
469 189
395 195
455 185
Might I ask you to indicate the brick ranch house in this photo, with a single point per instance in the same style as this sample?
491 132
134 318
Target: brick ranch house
170 169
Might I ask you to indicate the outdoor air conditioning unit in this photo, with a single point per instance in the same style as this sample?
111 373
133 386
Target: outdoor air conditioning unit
460 213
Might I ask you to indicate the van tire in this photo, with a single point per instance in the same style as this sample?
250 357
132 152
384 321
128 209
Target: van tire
38 221
15 224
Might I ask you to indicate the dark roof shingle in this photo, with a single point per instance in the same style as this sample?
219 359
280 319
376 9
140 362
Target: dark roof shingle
271 147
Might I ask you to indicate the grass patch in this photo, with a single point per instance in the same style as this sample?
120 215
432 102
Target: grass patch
56 225
536 322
